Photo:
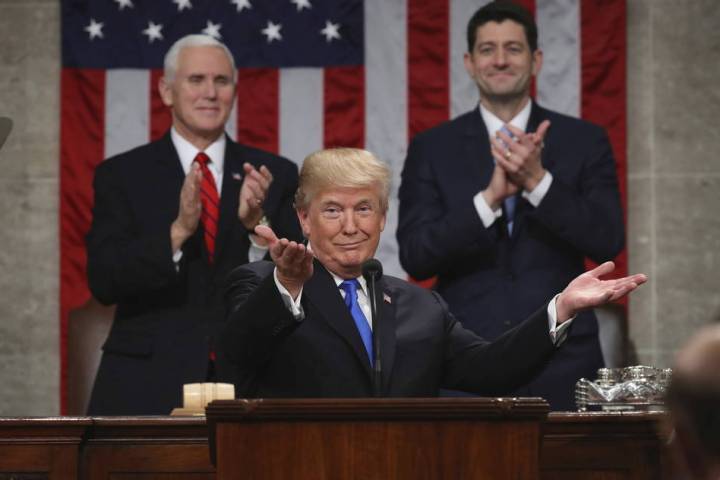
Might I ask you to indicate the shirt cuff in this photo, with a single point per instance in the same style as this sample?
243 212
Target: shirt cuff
558 333
540 190
487 215
293 305
256 252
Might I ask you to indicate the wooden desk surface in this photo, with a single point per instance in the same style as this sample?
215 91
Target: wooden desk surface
597 446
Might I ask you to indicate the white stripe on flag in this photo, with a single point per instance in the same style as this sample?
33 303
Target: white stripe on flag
301 112
127 109
558 85
463 91
386 106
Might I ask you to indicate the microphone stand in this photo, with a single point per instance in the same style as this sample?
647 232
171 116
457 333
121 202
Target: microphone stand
377 362
372 270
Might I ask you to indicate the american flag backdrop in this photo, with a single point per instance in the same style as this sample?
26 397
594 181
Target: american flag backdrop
311 74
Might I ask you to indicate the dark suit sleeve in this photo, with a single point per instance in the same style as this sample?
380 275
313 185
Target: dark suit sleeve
431 236
587 215
498 367
124 260
257 320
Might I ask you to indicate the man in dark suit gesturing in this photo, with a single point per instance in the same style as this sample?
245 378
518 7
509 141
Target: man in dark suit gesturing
302 327
170 220
504 203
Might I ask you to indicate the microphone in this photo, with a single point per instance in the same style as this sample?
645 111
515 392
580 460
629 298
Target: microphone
372 272
5 126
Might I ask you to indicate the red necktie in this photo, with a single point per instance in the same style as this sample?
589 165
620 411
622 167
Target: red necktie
210 200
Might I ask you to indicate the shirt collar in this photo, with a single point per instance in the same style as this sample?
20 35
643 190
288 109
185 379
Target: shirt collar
360 279
493 123
187 152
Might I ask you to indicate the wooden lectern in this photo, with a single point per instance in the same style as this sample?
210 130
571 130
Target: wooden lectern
388 438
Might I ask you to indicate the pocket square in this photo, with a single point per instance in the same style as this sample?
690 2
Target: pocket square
387 298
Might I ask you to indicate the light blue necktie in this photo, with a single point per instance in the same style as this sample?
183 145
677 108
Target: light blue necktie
509 201
350 288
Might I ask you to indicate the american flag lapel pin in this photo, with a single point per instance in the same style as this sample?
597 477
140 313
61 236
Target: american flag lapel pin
236 176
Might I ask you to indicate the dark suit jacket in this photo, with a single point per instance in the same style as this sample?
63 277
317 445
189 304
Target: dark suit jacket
490 280
423 346
166 318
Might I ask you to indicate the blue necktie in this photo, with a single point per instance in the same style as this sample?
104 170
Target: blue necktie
510 201
350 288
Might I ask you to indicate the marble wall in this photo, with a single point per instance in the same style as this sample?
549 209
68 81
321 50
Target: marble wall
673 171
673 183
29 257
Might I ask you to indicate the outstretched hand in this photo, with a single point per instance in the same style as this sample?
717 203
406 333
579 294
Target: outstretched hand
588 291
293 260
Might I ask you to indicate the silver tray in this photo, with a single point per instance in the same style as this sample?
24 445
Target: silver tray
630 388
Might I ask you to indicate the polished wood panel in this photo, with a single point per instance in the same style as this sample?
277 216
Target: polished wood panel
377 438
35 448
578 446
602 446
156 448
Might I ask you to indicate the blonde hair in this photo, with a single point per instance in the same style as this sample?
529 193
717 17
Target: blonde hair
342 167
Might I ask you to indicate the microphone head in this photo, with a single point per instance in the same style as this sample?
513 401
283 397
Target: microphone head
372 268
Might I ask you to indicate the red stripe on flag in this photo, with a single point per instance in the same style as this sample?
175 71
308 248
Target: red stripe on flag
258 108
428 52
82 147
160 116
344 107
603 82
428 45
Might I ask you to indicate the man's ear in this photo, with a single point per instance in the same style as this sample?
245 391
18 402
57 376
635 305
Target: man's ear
165 89
303 218
469 66
537 62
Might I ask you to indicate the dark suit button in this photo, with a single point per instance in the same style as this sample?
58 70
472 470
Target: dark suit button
507 323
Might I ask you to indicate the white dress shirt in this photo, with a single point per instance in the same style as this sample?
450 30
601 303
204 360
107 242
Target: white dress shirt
493 125
216 152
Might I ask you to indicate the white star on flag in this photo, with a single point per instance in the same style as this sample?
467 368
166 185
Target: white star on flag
330 31
124 3
272 31
153 31
301 4
183 4
94 29
241 4
212 29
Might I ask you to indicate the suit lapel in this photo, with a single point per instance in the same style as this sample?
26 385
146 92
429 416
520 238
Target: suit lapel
386 329
477 161
232 181
537 115
168 160
168 176
325 297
